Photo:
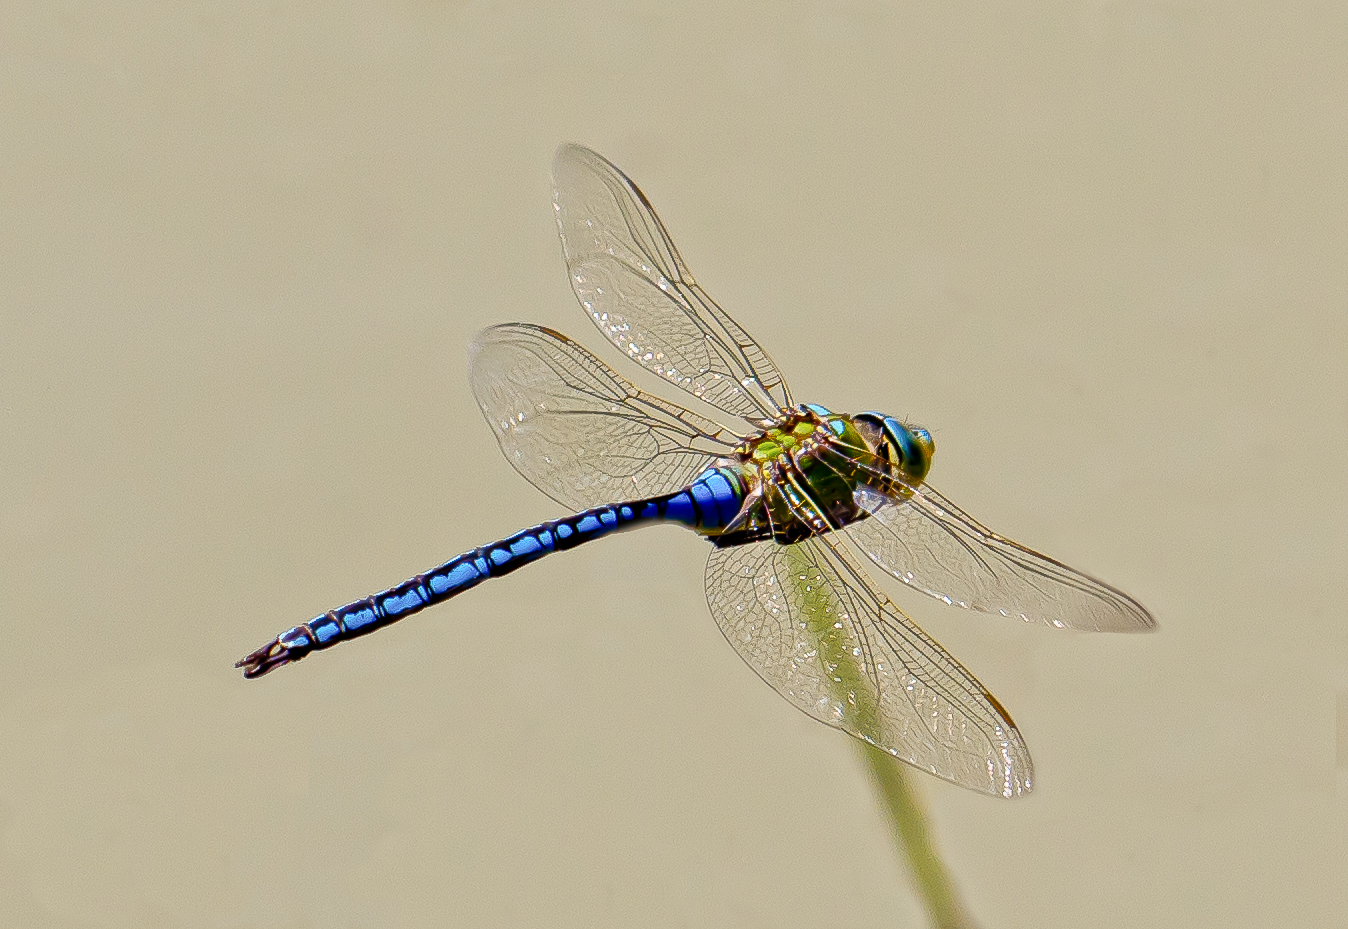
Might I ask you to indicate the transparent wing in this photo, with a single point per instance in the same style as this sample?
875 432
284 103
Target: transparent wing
930 544
810 623
576 430
637 290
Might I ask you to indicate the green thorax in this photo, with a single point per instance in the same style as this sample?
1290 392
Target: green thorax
802 474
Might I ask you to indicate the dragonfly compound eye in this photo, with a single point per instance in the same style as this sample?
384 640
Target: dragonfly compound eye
913 447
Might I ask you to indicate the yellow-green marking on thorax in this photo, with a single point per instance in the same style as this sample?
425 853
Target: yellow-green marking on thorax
776 440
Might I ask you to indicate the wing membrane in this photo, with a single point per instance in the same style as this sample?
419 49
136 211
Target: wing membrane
810 623
924 540
635 287
578 431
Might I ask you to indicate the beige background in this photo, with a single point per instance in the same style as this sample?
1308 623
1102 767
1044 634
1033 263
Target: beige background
1099 247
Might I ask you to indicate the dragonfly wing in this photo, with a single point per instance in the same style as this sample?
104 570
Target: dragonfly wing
927 542
628 275
810 623
578 431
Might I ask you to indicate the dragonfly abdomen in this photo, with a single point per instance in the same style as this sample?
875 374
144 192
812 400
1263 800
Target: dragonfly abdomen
709 503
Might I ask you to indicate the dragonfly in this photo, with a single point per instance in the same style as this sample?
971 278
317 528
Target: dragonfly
786 493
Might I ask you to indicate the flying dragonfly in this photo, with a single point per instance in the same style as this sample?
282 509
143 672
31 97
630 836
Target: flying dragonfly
783 492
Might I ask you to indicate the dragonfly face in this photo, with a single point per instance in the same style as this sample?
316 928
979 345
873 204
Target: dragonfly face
908 449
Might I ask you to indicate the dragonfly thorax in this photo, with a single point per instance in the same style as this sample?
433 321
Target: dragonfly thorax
784 436
907 449
804 471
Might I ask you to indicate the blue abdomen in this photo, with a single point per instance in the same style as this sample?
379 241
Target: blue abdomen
707 505
711 502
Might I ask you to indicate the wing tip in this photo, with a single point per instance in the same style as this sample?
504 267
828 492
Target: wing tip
1133 618
573 150
574 154
1147 622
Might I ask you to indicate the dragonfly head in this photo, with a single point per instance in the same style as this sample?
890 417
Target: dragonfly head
908 449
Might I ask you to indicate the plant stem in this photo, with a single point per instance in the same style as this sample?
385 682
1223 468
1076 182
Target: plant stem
909 827
852 689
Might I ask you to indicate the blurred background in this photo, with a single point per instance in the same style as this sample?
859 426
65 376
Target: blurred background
1097 247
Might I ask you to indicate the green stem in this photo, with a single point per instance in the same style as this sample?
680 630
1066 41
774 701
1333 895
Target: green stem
853 690
909 828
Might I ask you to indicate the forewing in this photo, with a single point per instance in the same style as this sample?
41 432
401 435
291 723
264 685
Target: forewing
578 431
930 544
810 623
628 275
